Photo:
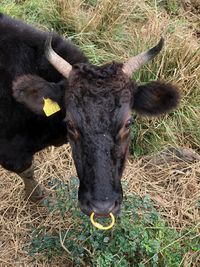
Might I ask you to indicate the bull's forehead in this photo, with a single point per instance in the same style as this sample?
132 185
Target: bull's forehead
98 113
97 97
99 82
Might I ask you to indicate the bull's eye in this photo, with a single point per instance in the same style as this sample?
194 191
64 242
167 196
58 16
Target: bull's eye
128 123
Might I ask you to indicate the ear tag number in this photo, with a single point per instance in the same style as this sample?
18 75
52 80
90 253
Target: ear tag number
50 107
100 226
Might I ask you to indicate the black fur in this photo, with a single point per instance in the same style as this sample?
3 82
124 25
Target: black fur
22 132
96 104
155 98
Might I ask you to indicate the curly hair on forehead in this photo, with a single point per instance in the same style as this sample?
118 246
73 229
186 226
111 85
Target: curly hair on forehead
95 81
93 72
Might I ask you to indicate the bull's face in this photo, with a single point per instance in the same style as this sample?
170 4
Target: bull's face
98 119
98 103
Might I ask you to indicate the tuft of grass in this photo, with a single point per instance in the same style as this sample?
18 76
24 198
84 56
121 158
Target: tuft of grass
42 14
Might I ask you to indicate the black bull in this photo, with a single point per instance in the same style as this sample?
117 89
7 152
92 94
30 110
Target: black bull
95 103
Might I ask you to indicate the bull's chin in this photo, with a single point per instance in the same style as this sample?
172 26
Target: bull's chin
88 211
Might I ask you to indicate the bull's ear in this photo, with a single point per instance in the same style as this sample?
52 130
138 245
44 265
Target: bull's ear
155 98
32 91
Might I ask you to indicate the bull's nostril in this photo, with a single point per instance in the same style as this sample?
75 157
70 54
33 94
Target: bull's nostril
102 207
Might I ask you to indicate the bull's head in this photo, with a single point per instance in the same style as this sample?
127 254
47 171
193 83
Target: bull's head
98 104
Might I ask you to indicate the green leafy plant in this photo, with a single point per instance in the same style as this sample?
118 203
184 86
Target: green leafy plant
140 237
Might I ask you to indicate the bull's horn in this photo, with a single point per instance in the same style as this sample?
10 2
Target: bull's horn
138 61
58 62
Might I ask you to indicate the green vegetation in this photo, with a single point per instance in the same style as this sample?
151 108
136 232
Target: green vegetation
140 237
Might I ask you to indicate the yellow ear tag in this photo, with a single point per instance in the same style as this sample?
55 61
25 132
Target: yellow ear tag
100 226
50 107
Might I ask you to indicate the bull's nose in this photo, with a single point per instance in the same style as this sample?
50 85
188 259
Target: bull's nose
103 208
100 207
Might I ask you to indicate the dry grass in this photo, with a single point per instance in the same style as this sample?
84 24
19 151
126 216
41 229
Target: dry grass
172 182
19 217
